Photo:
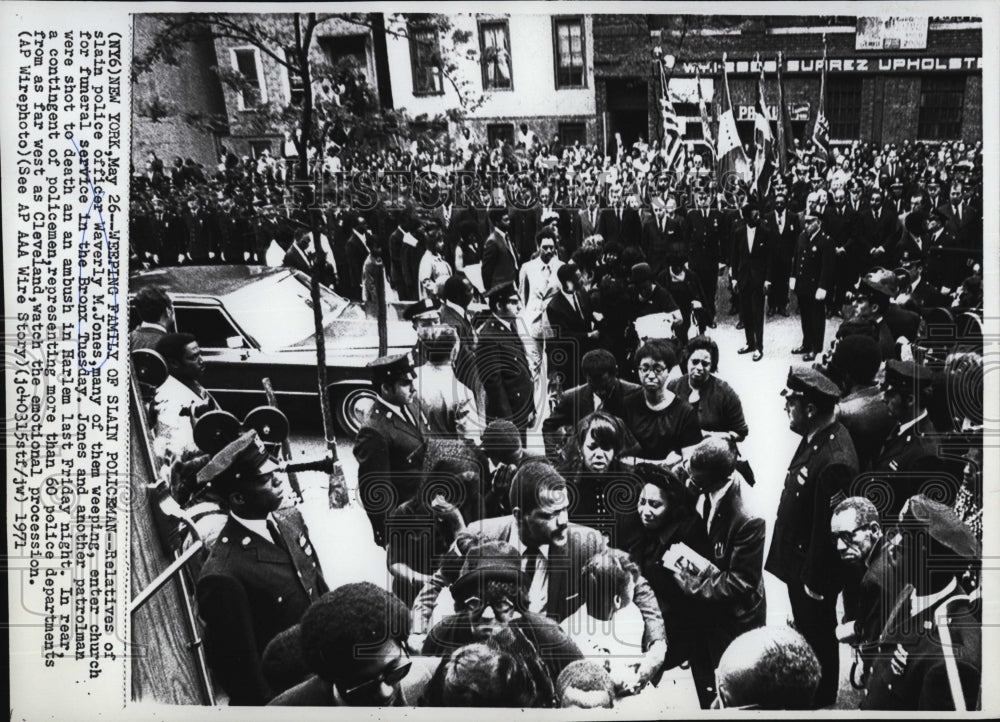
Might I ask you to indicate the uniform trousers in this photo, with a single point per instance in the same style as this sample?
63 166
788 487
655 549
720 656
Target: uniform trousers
816 620
812 314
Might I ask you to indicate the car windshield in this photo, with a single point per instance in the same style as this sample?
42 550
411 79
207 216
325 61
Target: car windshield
277 311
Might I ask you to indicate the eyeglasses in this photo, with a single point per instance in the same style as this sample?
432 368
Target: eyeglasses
654 369
846 536
499 606
389 677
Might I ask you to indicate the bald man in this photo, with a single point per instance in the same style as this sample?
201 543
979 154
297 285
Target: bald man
768 668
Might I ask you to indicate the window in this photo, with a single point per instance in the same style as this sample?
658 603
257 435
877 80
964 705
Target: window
258 146
425 60
246 61
209 325
496 131
941 100
567 35
296 88
843 107
570 133
494 49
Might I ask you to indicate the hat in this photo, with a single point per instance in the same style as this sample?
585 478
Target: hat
502 290
943 525
245 458
906 375
425 307
640 273
389 369
491 561
881 281
808 382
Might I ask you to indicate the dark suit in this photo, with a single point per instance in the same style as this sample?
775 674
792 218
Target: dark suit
733 595
296 258
569 342
500 263
786 239
751 268
625 230
923 683
801 553
813 267
868 593
199 238
576 403
841 225
524 225
503 367
584 223
662 237
390 454
874 232
249 590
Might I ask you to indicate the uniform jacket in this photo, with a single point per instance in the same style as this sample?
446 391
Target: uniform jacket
866 417
625 231
390 454
900 461
250 589
814 263
819 477
657 244
705 238
786 240
914 642
503 367
735 593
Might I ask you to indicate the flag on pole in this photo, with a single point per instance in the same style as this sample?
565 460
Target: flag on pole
764 160
784 125
821 131
673 127
706 123
731 157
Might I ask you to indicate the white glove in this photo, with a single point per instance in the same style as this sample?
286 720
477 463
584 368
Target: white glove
820 294
211 254
180 258
791 283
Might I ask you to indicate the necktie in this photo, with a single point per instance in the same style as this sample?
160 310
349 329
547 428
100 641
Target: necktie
663 224
958 213
593 219
619 214
276 534
706 509
531 554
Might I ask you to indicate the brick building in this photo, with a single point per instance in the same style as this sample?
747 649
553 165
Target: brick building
927 86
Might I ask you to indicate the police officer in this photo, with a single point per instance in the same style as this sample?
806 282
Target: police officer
909 454
813 269
390 445
801 554
422 314
262 574
933 635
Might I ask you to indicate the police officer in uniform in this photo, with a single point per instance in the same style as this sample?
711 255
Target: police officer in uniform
262 574
813 275
801 554
909 456
390 445
933 635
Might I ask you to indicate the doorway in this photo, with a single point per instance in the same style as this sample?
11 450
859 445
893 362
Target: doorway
628 111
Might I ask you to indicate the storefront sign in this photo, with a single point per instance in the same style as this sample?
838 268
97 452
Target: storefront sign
796 111
891 33
841 65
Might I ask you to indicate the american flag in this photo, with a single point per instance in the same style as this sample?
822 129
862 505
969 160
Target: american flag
706 123
764 160
821 131
673 127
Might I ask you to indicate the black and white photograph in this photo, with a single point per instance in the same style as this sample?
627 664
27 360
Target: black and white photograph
544 356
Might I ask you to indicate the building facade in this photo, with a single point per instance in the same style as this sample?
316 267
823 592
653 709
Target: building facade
917 80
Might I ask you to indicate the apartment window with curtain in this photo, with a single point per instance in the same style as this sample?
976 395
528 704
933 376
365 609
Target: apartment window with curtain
941 101
494 50
246 61
567 37
296 88
425 60
843 107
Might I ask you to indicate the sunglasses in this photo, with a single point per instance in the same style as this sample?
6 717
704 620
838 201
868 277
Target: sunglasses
476 605
389 677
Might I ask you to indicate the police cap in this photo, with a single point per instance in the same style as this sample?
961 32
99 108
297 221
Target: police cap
807 382
502 291
390 369
421 309
240 461
906 375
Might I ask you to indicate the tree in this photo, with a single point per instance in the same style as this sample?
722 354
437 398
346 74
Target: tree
332 100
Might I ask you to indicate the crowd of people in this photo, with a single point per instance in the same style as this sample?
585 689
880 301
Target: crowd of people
580 574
